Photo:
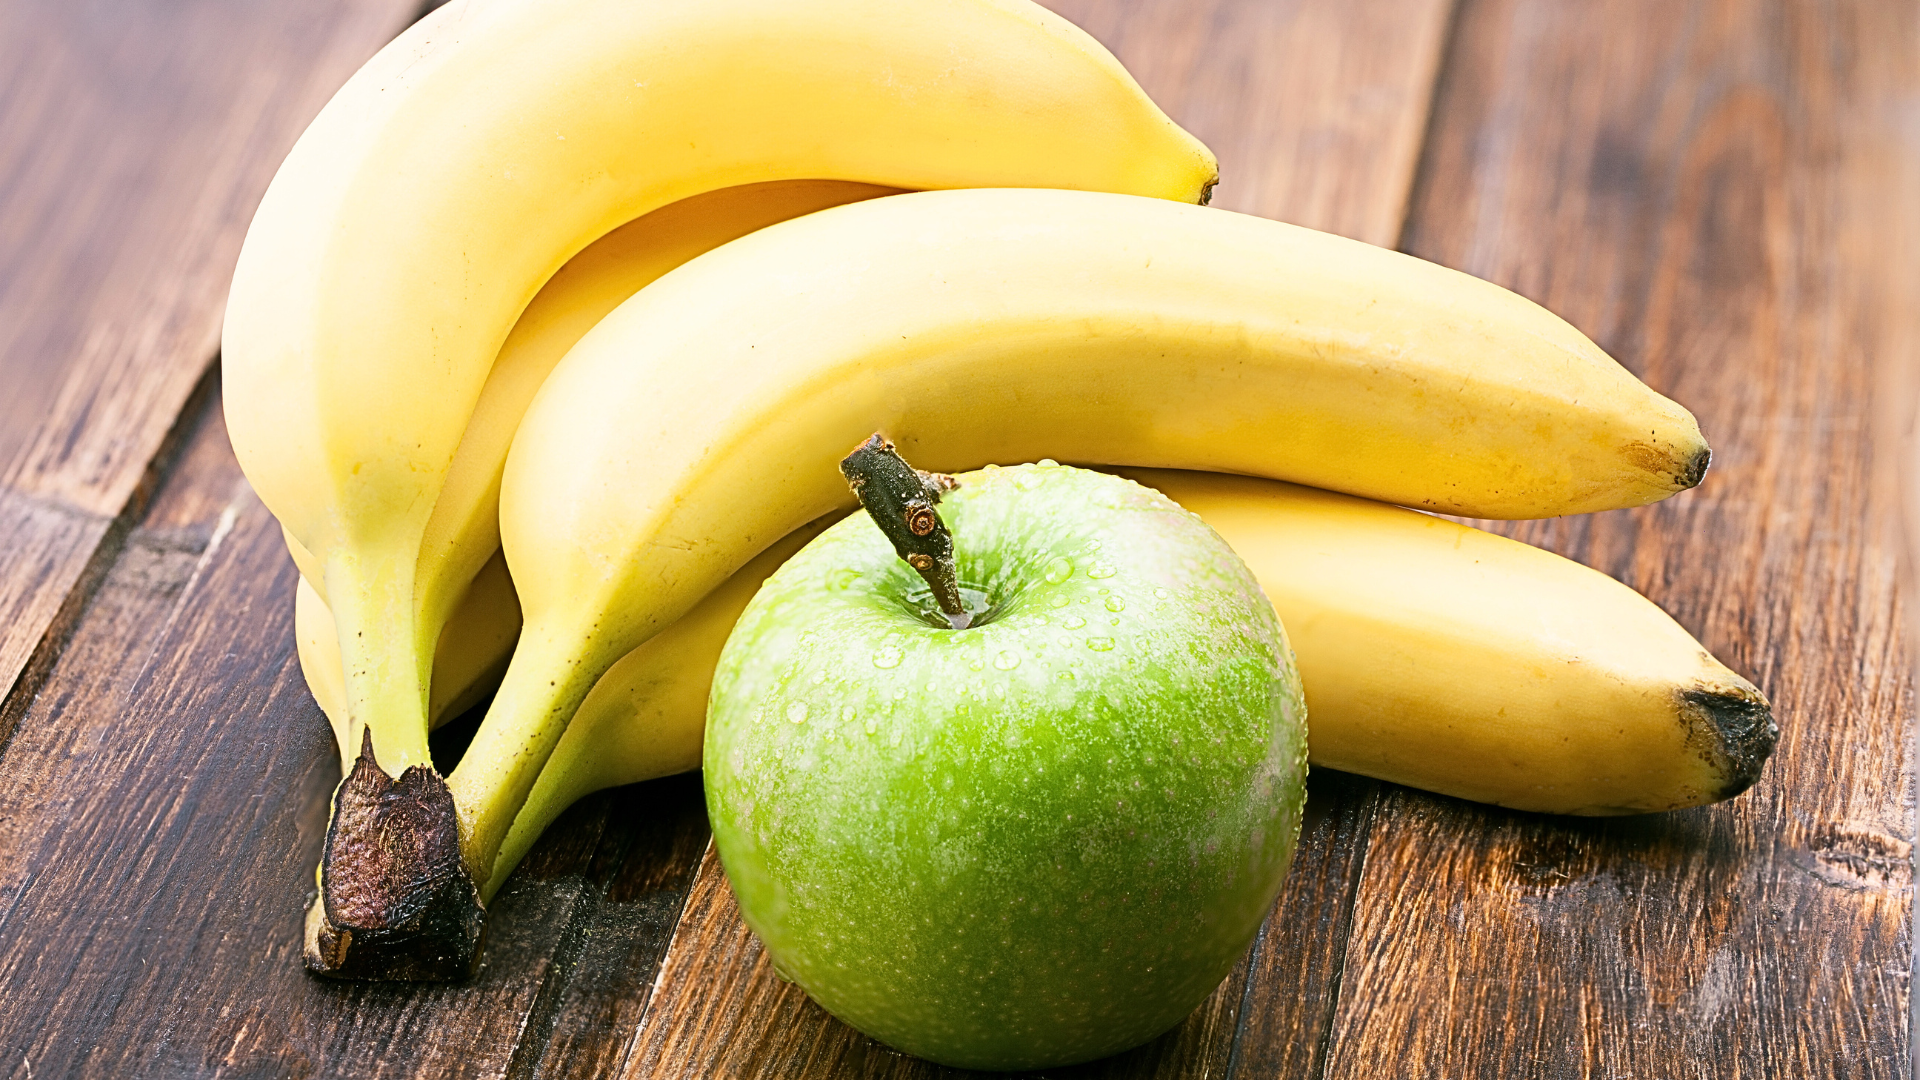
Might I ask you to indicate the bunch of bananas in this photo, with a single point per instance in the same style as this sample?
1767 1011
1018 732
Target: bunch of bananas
756 230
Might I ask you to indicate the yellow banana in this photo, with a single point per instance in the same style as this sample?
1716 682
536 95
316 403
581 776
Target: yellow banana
467 664
465 163
976 326
1433 654
463 532
1442 657
463 166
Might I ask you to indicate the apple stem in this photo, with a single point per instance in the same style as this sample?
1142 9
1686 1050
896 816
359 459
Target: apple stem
900 499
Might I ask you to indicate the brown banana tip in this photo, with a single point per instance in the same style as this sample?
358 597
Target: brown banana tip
1740 724
1696 469
1206 192
396 900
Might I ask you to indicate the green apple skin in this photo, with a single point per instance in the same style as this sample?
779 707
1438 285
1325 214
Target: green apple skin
1037 841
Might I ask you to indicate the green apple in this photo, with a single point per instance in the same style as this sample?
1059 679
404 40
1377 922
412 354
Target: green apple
1039 840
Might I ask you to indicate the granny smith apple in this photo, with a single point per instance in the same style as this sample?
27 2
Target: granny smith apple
1041 839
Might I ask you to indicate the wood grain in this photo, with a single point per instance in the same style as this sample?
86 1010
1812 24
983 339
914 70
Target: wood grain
1723 194
1318 110
650 839
163 803
135 139
1680 180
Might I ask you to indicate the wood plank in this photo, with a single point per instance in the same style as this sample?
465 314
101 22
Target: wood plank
1317 112
1315 109
650 839
133 148
161 808
1694 184
1293 986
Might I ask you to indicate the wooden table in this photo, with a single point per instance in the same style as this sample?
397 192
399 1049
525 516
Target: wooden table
1726 195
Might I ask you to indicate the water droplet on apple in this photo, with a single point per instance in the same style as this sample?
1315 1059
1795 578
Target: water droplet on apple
1114 603
1073 622
1058 570
1102 570
1161 594
797 712
1059 602
821 676
1048 463
843 579
1100 644
873 725
1006 661
887 656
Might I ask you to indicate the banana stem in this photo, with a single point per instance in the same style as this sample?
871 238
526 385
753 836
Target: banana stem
900 499
383 662
548 678
395 901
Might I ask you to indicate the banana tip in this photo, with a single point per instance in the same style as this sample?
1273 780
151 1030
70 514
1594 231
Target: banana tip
1696 468
1742 733
396 903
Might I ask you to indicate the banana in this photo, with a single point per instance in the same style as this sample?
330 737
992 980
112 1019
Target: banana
467 663
470 159
984 325
463 533
1434 655
464 529
1459 661
484 147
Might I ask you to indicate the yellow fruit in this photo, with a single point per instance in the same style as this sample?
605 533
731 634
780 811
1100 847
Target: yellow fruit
469 160
1459 661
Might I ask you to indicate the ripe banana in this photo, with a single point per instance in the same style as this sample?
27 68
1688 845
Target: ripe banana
993 325
463 165
467 664
463 533
1442 657
470 159
1433 654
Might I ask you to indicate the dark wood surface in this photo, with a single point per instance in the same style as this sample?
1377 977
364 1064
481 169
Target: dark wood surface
1722 194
